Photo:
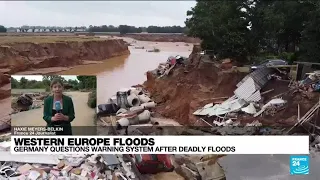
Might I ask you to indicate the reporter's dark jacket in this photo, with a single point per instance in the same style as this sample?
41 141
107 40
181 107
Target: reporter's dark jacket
67 109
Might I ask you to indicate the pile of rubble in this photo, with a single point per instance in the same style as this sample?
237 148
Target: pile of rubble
28 101
199 167
165 68
248 101
268 100
129 106
63 167
315 142
311 83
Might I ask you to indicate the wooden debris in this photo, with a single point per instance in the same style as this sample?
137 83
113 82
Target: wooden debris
265 92
307 117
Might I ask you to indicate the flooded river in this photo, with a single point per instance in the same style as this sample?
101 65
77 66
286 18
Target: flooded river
125 71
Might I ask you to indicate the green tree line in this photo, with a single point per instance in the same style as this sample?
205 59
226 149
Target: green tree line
248 29
2 29
82 82
123 29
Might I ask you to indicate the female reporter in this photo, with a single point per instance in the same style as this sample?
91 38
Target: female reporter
58 109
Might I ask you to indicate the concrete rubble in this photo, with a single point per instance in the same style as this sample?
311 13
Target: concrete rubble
128 111
100 167
199 167
247 98
75 167
248 101
165 68
129 106
27 101
311 83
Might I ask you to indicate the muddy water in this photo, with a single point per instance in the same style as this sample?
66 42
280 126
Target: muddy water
125 71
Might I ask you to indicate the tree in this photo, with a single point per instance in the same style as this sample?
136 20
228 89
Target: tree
310 36
87 82
223 27
23 83
14 83
2 29
74 84
243 28
52 77
277 25
46 80
165 29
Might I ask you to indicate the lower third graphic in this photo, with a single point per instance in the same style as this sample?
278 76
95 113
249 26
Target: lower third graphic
299 165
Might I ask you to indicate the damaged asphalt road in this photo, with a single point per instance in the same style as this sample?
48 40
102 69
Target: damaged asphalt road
265 167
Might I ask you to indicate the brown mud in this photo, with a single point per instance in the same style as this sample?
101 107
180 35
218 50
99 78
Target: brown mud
5 101
180 94
23 56
190 88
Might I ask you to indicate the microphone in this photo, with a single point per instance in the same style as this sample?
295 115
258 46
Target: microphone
57 106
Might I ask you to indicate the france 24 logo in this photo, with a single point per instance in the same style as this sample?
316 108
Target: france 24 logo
299 165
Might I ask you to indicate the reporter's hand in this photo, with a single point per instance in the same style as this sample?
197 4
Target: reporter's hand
62 117
54 118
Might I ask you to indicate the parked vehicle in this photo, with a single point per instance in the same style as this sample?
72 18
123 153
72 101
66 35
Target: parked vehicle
153 163
268 63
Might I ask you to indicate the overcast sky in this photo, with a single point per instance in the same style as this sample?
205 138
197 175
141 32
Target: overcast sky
39 77
81 13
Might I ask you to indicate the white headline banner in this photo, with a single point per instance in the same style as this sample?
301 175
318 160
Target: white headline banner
160 145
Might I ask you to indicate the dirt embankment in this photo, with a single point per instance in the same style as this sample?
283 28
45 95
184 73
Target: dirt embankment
163 38
181 93
22 56
5 100
188 89
4 86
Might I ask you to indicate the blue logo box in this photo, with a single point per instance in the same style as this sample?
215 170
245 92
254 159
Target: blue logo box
299 165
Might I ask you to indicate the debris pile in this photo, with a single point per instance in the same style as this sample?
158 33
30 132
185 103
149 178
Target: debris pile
57 167
129 106
310 83
153 50
165 68
247 102
269 96
138 47
315 142
28 101
199 167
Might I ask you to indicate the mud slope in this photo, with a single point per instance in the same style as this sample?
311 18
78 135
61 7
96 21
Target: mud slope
180 94
5 102
163 38
5 86
188 89
17 57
